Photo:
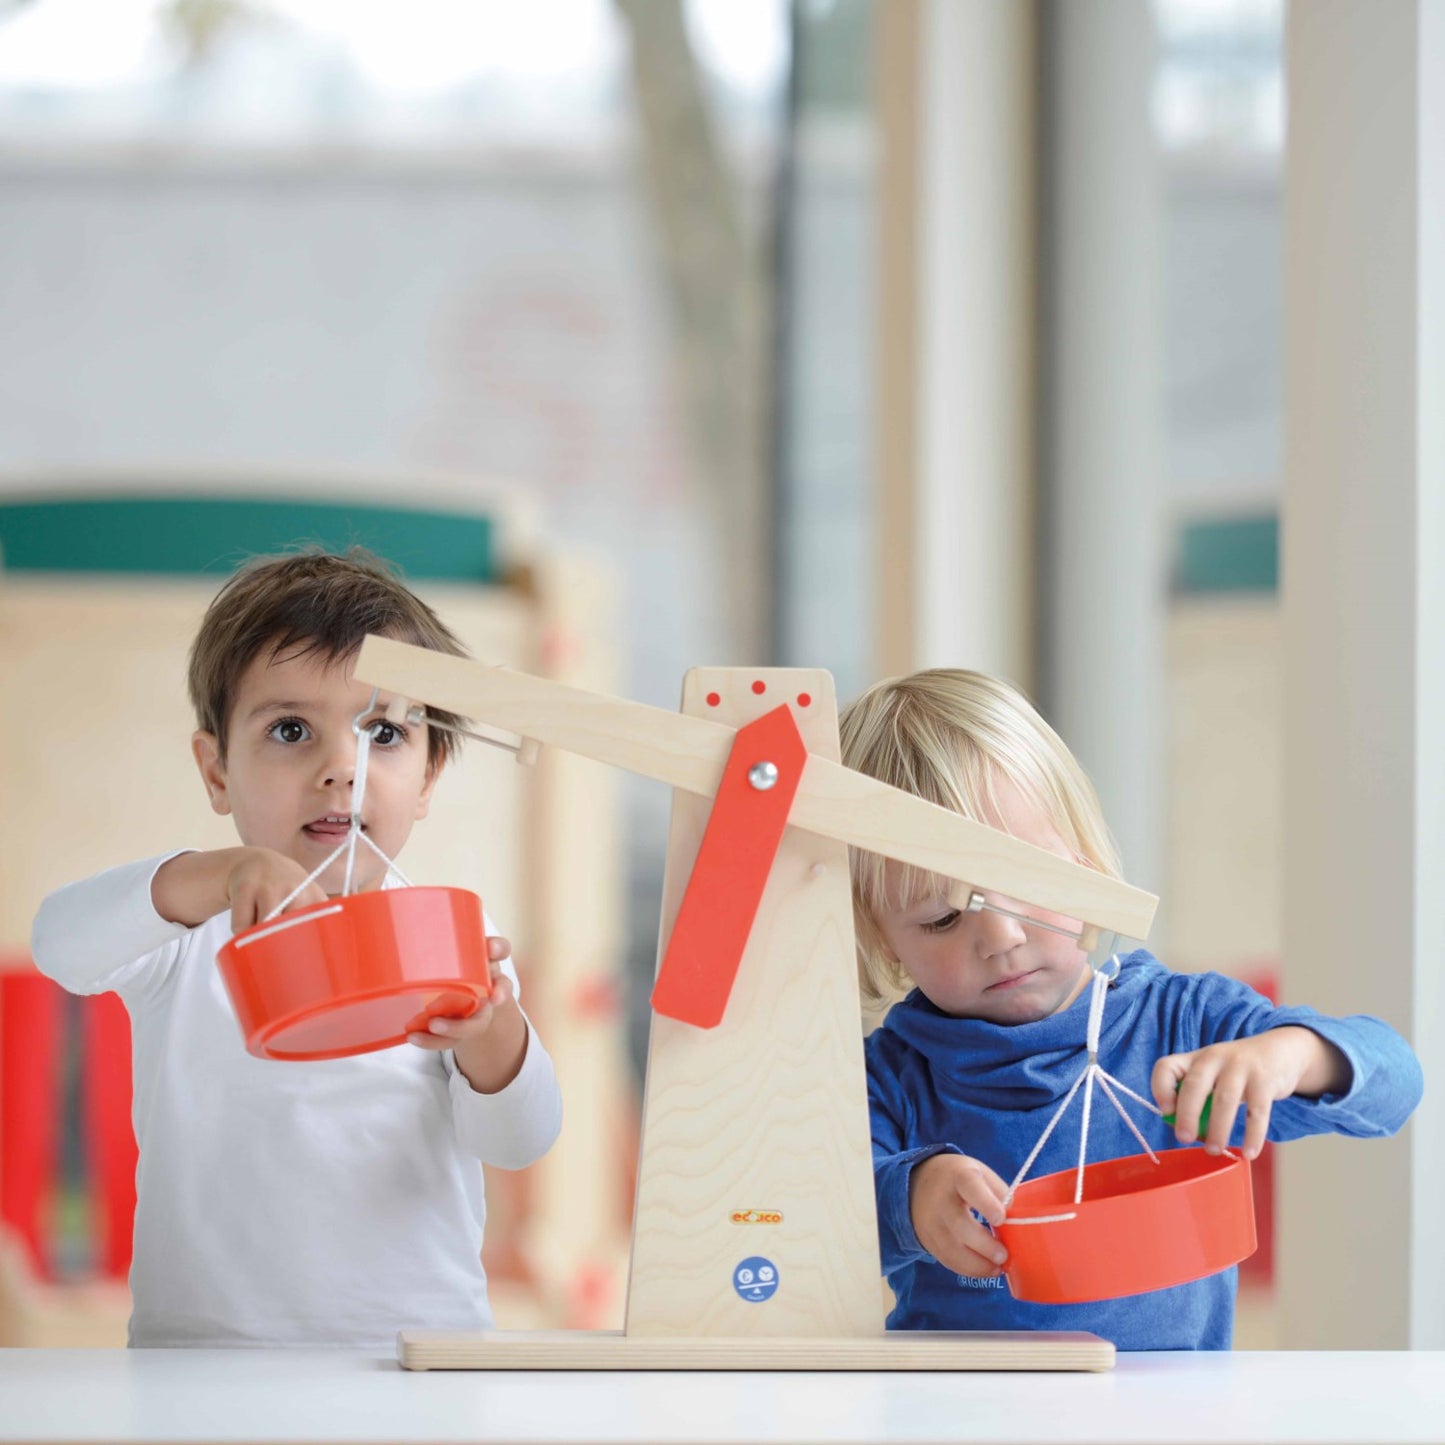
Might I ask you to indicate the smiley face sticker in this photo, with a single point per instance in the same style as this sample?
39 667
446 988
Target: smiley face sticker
756 1279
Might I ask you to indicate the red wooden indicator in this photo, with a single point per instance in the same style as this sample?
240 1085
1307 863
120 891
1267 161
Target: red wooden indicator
744 829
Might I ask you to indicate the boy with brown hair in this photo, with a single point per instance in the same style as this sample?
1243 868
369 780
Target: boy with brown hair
338 1201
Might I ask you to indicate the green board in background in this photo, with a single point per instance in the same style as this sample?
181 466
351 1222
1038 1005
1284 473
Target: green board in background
188 535
1235 554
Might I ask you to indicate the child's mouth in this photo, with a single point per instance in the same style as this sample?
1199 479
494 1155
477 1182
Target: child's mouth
1012 981
332 828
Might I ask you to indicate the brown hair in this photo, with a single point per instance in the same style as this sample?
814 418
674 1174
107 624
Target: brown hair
302 603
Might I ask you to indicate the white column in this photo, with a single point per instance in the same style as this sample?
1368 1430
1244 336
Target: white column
956 416
1102 582
1362 1264
974 577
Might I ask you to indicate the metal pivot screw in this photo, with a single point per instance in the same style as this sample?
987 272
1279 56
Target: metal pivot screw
763 775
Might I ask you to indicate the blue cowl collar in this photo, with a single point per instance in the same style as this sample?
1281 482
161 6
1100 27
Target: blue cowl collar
1023 1066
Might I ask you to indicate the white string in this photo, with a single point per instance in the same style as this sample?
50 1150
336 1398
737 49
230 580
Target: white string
1096 1011
1104 1082
1043 1139
391 866
348 844
1091 1071
307 881
1084 1131
358 793
1107 1083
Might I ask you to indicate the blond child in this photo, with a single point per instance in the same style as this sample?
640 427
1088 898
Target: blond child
328 1202
968 1068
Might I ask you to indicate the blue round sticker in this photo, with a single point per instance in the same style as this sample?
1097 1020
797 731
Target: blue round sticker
756 1279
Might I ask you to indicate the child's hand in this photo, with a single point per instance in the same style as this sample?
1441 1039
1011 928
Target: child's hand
445 1033
942 1192
259 880
1253 1072
490 1044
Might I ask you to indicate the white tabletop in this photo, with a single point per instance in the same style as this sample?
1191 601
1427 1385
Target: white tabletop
314 1395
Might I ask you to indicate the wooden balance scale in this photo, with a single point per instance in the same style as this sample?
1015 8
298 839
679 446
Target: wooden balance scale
755 1236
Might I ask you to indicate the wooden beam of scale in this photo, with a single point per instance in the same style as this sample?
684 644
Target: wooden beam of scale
690 753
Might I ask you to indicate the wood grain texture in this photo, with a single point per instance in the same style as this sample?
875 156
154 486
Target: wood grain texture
610 1350
689 753
767 1113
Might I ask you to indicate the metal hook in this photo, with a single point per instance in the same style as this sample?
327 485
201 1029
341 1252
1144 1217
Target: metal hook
977 903
1098 943
400 710
366 712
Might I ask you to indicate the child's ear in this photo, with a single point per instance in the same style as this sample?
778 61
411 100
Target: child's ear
423 802
207 752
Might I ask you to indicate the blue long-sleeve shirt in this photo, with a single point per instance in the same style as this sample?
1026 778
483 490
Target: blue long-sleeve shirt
988 1090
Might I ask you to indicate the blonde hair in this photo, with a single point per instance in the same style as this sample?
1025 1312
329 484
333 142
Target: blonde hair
948 736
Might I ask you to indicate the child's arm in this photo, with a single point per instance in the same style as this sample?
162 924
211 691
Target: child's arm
192 887
103 932
1294 1071
506 1104
123 928
925 1191
1254 1073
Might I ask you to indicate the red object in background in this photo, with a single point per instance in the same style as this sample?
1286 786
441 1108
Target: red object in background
32 1018
1258 1269
110 1148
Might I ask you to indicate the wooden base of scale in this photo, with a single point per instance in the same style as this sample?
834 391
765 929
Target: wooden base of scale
613 1350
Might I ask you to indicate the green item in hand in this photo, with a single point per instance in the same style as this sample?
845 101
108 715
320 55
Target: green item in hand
1203 1114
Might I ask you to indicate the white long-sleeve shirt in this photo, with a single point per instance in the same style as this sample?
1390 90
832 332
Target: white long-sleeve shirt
328 1202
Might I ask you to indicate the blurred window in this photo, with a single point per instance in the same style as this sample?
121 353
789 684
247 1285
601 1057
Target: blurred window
356 72
1219 118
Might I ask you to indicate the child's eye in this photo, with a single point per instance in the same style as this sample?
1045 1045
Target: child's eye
386 734
943 922
288 730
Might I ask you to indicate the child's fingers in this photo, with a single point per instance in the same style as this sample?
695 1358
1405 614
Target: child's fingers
1189 1102
970 1249
980 1188
469 1027
499 948
1165 1078
443 1032
311 893
1227 1096
253 903
1256 1123
480 1019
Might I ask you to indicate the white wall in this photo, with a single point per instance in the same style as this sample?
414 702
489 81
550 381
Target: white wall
1364 640
493 320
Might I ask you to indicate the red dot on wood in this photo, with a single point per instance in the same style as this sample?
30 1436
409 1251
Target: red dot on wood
760 686
804 699
713 699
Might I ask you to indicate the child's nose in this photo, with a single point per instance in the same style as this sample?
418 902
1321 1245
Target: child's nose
998 933
339 765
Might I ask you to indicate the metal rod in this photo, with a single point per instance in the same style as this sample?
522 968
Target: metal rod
525 750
